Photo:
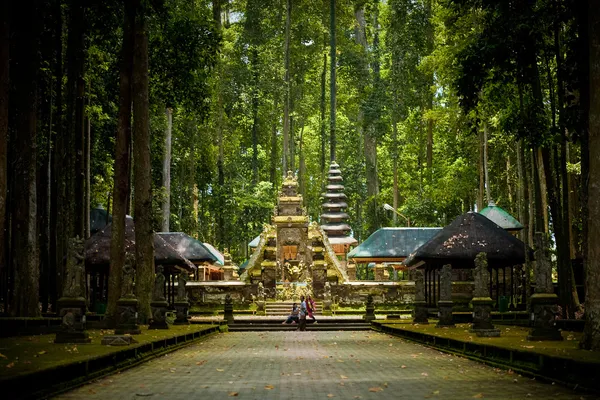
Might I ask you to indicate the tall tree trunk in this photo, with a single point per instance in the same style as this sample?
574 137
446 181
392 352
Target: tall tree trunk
166 173
121 174
332 89
75 99
274 157
24 212
322 109
57 189
220 232
485 161
144 235
591 339
302 164
395 166
4 90
429 93
254 115
286 91
88 172
481 190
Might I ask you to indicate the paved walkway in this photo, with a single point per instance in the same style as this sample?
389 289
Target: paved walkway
315 365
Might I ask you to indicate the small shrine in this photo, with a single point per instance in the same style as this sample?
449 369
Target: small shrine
292 251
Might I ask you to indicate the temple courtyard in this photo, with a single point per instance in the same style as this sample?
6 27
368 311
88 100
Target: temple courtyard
315 365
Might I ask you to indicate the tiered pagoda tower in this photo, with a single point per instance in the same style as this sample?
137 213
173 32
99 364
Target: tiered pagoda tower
334 217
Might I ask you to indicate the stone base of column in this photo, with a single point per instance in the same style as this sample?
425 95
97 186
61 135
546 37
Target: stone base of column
445 314
543 317
482 318
370 313
260 307
420 313
72 312
181 312
159 315
127 317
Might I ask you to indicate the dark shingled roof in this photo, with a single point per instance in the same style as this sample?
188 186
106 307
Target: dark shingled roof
99 218
392 243
97 249
191 248
468 235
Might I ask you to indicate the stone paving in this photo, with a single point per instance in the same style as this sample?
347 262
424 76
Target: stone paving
315 365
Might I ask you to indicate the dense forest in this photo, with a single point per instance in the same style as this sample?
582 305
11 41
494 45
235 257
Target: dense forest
187 114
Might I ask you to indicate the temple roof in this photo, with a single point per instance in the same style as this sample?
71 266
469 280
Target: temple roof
97 248
392 244
190 247
334 187
341 227
99 218
468 235
218 255
334 195
334 216
501 217
341 204
347 240
254 242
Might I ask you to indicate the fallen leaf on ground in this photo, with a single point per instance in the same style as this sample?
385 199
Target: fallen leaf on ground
220 369
233 394
436 392
343 377
330 395
269 387
404 366
42 352
424 374
12 364
2 355
375 389
478 396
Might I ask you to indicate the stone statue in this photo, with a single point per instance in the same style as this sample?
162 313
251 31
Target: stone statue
181 282
481 276
446 283
261 292
158 293
74 285
419 286
327 291
128 276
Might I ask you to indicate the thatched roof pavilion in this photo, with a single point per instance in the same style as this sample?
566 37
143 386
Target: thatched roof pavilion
468 235
97 250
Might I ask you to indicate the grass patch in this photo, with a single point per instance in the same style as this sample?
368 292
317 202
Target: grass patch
512 338
26 354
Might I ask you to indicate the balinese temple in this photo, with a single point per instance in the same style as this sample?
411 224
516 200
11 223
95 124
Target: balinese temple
500 217
291 250
334 218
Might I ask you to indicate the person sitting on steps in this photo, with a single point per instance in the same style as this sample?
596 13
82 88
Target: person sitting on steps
294 316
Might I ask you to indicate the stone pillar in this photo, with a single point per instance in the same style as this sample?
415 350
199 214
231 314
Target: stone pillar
319 279
381 273
543 301
351 270
445 302
269 277
72 304
159 305
228 314
127 313
420 313
260 299
228 268
369 309
482 303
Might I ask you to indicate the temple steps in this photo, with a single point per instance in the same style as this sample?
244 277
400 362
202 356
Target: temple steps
285 308
246 325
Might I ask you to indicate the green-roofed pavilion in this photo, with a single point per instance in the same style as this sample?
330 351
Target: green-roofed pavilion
501 217
391 244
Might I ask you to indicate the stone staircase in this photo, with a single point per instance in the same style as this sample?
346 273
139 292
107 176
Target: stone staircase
275 324
283 309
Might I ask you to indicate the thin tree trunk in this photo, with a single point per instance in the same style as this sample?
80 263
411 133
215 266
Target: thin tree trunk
481 190
591 339
4 90
429 93
88 172
144 235
255 78
24 233
302 166
485 162
274 157
121 174
322 109
332 84
286 91
166 173
395 167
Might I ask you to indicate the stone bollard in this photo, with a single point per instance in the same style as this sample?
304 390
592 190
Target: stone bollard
543 301
420 312
482 303
228 314
445 302
181 304
127 316
159 305
370 309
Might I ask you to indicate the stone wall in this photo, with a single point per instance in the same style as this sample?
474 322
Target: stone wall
213 293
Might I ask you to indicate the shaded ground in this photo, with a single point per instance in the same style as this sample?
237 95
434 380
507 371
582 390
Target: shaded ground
315 365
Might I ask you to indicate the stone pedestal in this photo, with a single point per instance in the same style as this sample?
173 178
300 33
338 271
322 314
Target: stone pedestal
420 313
228 273
127 317
369 309
326 307
260 306
381 273
445 313
118 340
269 277
228 311
543 307
482 318
181 310
159 315
319 277
72 329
